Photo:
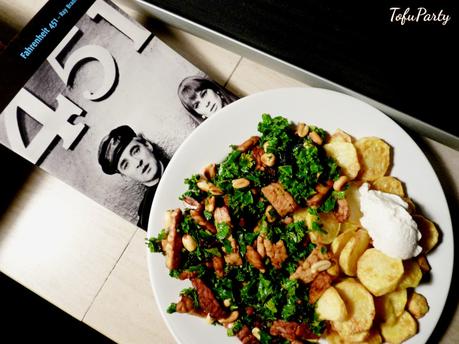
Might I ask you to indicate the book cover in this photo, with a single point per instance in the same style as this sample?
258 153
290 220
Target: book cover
98 101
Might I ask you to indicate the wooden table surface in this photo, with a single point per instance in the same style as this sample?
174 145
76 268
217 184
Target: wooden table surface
91 263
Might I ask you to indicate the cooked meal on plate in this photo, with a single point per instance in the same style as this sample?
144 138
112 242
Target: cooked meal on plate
297 235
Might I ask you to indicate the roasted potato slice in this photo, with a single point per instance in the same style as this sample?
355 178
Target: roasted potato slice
374 338
302 214
345 155
390 306
360 307
352 251
357 337
403 328
417 305
330 226
378 272
328 221
334 270
398 300
423 263
411 276
389 184
333 338
374 157
353 201
331 306
340 136
411 206
429 233
340 241
348 227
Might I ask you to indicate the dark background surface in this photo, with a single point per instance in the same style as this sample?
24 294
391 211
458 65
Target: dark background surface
354 44
27 317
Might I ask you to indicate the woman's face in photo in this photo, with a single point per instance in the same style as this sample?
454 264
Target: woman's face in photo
207 102
138 162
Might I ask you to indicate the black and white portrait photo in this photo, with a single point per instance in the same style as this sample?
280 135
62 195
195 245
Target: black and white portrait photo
203 97
108 108
131 155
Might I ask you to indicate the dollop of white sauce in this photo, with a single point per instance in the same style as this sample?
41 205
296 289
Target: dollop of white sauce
392 228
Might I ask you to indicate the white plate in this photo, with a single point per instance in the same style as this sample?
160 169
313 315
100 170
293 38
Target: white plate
329 110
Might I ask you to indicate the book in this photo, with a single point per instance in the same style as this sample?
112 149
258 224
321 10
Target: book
98 101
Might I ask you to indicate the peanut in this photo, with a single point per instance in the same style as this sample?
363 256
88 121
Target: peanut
269 216
189 243
240 183
302 129
210 171
209 319
232 318
203 185
321 265
340 182
315 138
216 191
206 186
209 204
268 159
256 333
247 144
265 146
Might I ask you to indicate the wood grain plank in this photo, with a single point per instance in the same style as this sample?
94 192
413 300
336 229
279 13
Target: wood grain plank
251 77
59 243
125 309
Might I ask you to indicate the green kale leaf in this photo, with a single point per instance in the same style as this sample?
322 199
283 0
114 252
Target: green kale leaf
154 243
276 132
